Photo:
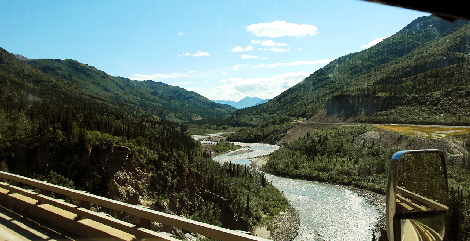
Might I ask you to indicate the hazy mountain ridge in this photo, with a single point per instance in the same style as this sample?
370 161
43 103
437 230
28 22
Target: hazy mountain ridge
428 58
243 103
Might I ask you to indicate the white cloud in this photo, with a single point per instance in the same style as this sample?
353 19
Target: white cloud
266 88
282 28
157 76
252 57
294 63
249 48
241 49
181 34
373 42
278 49
199 53
238 49
268 43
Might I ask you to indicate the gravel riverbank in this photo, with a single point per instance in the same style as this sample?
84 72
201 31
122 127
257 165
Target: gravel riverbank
282 228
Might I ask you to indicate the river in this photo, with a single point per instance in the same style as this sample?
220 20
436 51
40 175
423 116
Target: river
326 212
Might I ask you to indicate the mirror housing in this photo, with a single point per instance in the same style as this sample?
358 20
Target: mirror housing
417 195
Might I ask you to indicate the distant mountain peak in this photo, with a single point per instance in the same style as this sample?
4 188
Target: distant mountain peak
243 103
20 57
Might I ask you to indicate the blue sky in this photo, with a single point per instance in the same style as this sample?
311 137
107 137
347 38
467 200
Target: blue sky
223 50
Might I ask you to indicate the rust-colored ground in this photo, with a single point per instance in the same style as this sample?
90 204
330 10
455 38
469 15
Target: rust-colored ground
426 130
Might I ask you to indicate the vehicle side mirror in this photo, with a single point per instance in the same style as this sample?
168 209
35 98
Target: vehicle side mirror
417 196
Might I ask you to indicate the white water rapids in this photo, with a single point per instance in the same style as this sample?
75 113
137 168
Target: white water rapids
326 212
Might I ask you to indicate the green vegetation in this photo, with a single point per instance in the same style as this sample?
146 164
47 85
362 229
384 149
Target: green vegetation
268 132
334 155
70 81
224 146
66 123
204 129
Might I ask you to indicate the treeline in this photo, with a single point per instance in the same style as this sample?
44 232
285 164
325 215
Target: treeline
339 155
80 148
265 132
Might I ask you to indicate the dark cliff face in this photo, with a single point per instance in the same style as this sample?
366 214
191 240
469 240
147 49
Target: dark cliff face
350 107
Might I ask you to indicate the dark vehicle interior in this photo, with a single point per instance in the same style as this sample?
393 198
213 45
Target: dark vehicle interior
448 10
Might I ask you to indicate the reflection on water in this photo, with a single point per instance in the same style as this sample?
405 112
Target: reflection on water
326 212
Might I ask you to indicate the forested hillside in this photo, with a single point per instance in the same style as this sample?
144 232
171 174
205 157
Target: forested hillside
418 75
72 125
71 81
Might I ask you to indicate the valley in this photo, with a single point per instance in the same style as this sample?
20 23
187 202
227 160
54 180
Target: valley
70 124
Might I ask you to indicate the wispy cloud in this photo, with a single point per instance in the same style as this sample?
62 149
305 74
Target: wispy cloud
274 49
197 54
268 43
241 49
373 42
294 63
181 34
282 28
252 57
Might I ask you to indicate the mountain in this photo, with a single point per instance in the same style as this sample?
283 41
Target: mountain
418 75
69 80
243 103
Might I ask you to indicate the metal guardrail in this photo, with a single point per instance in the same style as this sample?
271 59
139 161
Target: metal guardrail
144 215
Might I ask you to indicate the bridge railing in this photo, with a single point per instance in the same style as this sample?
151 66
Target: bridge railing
144 216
